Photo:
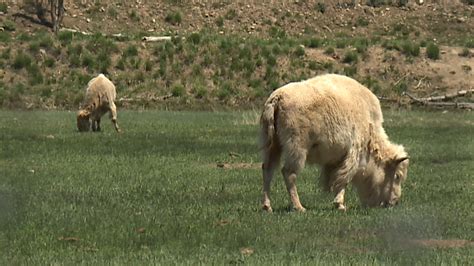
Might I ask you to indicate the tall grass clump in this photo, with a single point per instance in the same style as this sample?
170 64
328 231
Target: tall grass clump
350 57
432 51
174 18
21 60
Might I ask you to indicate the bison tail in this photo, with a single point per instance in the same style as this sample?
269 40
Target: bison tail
268 123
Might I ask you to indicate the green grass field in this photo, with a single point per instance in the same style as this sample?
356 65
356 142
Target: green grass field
154 195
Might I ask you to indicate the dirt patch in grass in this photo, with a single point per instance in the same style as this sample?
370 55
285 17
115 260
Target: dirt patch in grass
443 243
239 165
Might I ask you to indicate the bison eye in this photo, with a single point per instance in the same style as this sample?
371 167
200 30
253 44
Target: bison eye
397 177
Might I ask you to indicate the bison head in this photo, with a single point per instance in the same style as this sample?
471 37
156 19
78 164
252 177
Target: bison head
381 185
83 121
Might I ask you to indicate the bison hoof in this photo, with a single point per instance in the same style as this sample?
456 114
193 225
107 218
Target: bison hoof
267 208
300 209
340 207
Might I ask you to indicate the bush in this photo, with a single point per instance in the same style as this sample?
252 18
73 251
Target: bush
350 57
87 60
65 37
314 43
178 90
131 50
3 7
148 65
465 52
220 22
194 38
299 51
9 25
231 14
4 36
21 61
35 76
133 15
320 7
173 18
49 62
329 51
432 51
469 2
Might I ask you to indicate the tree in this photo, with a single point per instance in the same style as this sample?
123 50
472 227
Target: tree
42 7
57 13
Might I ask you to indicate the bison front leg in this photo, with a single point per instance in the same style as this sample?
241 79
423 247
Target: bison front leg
290 172
339 177
113 116
339 200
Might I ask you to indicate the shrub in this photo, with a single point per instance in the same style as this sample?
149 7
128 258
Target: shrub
21 61
350 57
220 22
194 38
178 90
33 47
6 53
376 3
173 18
362 22
133 15
400 87
299 51
35 76
87 60
121 64
103 62
350 71
200 91
3 7
65 37
75 49
46 42
361 45
231 14
49 62
131 50
314 43
112 12
99 44
9 25
410 49
148 65
320 7
329 51
277 32
465 52
469 2
432 51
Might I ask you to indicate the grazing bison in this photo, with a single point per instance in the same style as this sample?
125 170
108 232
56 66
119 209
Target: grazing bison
335 122
100 97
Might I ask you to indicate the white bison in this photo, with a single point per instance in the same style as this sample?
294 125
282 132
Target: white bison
335 122
100 97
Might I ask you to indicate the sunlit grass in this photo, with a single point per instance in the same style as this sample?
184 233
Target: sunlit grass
154 194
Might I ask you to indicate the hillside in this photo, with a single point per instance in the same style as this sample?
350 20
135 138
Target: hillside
232 53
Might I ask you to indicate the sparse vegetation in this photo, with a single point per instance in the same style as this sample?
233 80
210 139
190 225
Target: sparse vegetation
174 18
350 57
432 51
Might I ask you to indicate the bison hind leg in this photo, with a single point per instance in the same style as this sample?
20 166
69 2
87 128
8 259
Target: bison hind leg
271 161
294 162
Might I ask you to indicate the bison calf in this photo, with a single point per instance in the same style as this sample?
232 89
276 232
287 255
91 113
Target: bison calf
335 122
100 97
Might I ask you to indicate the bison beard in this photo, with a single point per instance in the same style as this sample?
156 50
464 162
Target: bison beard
335 122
